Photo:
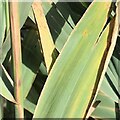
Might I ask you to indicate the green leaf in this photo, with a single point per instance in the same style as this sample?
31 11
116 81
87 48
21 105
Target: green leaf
5 48
29 106
4 91
24 8
59 27
68 86
47 44
2 22
106 109
8 82
66 13
24 11
110 84
32 59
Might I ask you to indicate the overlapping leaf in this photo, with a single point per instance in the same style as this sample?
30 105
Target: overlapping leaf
4 91
106 109
73 68
7 44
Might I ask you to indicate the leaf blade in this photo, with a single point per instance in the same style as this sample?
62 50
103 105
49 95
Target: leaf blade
68 82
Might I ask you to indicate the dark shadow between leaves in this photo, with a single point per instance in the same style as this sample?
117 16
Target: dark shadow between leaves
58 16
31 54
7 65
117 111
112 85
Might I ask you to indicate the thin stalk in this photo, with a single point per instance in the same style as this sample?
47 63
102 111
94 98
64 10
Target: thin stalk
16 52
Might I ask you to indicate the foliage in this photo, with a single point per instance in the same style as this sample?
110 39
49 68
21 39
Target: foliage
66 62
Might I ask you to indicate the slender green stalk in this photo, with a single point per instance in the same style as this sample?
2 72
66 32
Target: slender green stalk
16 51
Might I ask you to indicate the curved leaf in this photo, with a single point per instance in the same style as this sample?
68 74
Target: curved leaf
66 84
